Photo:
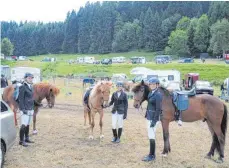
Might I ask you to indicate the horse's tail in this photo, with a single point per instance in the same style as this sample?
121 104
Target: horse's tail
224 121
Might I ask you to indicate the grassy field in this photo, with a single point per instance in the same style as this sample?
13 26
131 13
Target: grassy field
213 70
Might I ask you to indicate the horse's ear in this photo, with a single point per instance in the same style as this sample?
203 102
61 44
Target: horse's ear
142 82
50 90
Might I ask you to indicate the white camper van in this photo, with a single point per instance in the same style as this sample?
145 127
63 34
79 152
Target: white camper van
89 60
166 77
18 73
118 59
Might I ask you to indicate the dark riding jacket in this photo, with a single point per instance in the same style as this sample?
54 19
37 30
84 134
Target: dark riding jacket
86 96
4 82
25 97
154 108
120 103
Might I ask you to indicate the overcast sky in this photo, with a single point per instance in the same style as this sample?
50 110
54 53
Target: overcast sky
38 10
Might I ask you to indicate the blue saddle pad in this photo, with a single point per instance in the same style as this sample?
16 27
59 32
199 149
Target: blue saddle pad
181 101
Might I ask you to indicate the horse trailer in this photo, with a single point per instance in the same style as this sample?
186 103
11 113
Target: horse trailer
17 74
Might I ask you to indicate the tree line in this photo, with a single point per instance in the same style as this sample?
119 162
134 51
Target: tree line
178 28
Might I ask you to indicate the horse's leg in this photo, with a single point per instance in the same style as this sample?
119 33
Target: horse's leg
15 113
213 146
101 124
221 142
34 120
85 115
92 124
165 126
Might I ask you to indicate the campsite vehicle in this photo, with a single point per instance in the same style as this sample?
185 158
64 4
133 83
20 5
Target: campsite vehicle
118 77
163 59
85 60
89 60
225 92
186 60
138 60
5 70
22 58
166 77
190 80
8 130
14 58
118 59
203 87
226 56
96 62
106 61
18 73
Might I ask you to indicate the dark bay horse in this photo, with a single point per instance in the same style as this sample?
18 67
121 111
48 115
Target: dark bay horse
201 107
98 98
41 91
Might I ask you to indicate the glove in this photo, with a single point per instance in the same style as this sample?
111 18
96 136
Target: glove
124 117
25 112
152 124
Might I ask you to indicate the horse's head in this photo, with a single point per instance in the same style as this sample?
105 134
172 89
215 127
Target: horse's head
141 92
51 96
105 88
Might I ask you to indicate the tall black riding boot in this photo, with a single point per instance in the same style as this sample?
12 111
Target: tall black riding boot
119 135
22 134
114 135
151 155
27 135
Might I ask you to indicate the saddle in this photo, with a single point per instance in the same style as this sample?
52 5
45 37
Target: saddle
16 91
181 100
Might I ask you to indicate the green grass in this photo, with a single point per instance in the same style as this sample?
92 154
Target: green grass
214 71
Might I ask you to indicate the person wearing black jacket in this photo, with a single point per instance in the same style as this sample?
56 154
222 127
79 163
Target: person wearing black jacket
4 82
153 116
119 111
26 107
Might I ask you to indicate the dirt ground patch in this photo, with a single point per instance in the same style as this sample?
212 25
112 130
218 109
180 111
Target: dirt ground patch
62 142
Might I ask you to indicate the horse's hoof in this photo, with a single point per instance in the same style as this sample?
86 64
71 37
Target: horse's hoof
35 132
101 136
91 137
219 160
207 156
164 154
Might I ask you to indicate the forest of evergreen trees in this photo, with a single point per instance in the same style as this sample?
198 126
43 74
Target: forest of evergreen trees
179 28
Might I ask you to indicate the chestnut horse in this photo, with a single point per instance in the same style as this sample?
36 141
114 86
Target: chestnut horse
201 107
41 91
98 99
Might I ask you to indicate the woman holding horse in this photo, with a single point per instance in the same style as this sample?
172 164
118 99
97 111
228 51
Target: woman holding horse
152 115
119 111
200 107
26 106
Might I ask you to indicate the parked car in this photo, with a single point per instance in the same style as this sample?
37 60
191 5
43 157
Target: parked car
203 87
96 62
22 58
8 130
186 60
163 59
106 61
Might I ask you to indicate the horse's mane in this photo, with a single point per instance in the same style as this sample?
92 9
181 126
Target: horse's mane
45 88
96 88
137 88
166 91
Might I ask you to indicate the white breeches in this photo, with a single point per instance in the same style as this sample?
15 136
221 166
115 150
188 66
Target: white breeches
26 118
117 119
151 130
